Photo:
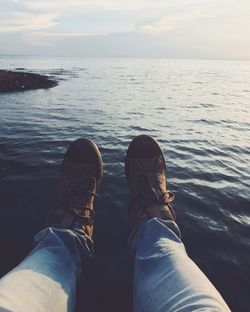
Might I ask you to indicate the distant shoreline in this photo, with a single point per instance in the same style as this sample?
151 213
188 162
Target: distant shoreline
13 81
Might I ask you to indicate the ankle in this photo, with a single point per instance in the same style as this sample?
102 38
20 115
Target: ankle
161 211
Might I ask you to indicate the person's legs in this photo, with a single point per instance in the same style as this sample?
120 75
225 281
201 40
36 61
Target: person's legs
46 278
165 278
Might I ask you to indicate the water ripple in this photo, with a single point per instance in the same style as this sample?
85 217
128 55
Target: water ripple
197 111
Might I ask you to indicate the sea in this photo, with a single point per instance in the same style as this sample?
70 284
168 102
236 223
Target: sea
198 110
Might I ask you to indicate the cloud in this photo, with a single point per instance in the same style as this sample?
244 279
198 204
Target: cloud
69 5
27 21
169 22
142 15
40 38
197 28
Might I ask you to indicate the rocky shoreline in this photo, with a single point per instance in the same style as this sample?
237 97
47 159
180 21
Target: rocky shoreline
13 81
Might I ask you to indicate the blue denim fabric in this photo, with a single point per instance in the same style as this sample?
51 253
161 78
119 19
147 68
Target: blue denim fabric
165 278
46 278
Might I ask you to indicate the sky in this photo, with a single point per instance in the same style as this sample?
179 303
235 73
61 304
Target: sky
204 29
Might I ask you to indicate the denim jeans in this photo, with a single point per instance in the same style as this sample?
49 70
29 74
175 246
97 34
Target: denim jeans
165 278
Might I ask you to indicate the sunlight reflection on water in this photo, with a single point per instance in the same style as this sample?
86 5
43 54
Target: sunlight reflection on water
199 112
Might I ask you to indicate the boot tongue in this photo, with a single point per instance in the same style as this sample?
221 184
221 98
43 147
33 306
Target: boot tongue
85 196
80 195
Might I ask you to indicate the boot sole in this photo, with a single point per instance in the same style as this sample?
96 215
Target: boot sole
135 141
89 145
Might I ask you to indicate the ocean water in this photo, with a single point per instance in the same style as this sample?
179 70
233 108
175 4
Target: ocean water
197 110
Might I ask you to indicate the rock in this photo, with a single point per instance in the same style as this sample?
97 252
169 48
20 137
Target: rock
11 81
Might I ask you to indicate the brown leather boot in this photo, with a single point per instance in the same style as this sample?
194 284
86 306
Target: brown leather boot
81 173
145 169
